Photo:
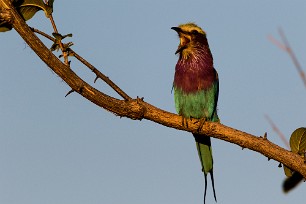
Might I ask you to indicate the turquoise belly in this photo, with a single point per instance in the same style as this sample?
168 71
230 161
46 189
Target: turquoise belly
198 105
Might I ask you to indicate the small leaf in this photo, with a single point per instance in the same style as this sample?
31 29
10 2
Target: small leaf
288 172
28 12
57 36
27 9
61 37
54 47
298 146
38 5
298 141
68 35
5 27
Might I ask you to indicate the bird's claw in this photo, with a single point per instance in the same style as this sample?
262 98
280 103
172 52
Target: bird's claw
202 122
184 122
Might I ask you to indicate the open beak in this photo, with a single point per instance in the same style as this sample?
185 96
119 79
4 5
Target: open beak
184 39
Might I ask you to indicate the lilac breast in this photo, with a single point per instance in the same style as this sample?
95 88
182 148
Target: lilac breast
194 74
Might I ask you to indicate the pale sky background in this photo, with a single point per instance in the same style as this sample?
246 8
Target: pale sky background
57 150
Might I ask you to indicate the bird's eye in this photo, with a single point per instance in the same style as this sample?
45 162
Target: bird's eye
194 32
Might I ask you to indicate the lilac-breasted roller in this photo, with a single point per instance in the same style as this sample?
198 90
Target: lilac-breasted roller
196 88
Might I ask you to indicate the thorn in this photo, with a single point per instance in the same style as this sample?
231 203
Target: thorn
139 99
269 159
81 89
69 62
280 165
96 79
277 130
242 148
265 135
71 91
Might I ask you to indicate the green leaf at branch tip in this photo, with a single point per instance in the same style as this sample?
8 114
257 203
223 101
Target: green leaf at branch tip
57 36
38 5
5 26
60 37
298 146
27 9
68 35
298 141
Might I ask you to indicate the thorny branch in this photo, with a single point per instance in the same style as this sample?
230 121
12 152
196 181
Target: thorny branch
90 66
65 54
138 109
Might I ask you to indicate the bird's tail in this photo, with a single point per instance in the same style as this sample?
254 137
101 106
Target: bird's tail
205 154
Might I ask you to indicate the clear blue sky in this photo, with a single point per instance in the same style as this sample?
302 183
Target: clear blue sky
68 151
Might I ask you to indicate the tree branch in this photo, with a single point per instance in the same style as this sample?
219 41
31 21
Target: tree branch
91 67
138 109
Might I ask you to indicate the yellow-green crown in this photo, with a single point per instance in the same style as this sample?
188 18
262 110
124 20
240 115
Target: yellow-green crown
188 27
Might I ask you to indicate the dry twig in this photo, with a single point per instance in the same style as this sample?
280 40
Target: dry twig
286 47
90 66
277 130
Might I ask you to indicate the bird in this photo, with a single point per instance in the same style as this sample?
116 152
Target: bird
196 89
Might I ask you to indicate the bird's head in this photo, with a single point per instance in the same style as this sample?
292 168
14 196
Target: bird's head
190 36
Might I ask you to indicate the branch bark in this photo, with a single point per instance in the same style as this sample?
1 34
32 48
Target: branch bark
138 109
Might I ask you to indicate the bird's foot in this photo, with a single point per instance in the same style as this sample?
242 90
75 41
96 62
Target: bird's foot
184 122
202 122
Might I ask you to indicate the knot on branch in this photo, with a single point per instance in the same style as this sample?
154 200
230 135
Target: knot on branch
135 109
